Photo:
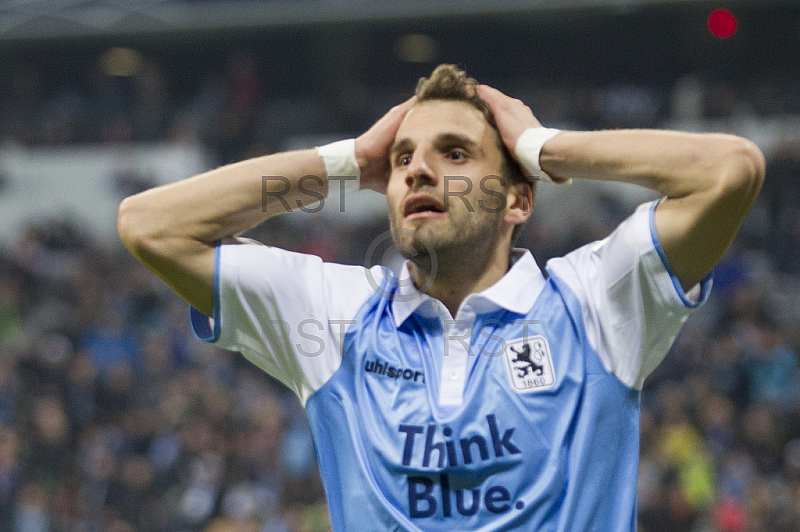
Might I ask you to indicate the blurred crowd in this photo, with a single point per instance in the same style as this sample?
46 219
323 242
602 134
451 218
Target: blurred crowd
113 417
233 107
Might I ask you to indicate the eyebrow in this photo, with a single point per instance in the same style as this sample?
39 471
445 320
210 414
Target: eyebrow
401 146
441 142
448 140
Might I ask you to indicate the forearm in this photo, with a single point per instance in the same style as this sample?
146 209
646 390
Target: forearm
709 181
228 200
231 199
174 229
673 163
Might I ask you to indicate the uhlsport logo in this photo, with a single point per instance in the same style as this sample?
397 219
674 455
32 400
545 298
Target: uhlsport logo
387 370
530 366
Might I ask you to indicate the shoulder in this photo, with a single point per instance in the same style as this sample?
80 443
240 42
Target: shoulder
279 271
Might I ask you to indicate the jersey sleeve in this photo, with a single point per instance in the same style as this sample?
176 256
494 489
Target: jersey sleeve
286 312
632 304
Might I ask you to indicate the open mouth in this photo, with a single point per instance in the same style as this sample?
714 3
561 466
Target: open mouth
422 205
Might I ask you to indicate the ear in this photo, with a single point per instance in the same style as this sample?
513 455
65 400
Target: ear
519 203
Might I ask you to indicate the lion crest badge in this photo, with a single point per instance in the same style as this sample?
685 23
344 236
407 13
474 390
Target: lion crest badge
530 364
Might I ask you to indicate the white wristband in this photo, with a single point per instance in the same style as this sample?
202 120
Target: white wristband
341 164
528 148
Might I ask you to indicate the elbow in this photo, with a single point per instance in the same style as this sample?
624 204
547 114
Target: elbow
132 226
743 170
752 166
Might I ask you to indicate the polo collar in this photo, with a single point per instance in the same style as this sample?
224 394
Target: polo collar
516 291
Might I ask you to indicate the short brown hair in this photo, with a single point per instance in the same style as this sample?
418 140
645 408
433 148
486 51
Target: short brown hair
449 82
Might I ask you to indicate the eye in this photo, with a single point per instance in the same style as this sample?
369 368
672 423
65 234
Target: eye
456 155
403 160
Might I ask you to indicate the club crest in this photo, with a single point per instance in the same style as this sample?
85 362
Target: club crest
530 366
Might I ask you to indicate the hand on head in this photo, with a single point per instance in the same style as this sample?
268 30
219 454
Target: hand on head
512 117
373 146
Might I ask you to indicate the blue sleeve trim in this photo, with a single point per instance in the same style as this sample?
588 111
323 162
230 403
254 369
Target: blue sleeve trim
705 284
200 325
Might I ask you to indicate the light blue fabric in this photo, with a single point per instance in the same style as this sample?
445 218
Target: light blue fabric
557 459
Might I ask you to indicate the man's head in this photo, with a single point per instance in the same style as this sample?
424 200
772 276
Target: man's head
448 82
454 186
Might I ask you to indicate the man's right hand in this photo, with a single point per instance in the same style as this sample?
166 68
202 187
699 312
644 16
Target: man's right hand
372 147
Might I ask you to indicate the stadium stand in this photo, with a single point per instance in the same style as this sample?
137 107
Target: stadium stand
113 417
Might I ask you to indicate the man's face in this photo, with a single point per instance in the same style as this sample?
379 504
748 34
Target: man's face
444 193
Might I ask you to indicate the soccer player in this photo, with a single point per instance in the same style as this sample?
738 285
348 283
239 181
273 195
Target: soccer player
483 394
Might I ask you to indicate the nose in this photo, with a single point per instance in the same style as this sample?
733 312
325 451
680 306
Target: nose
419 172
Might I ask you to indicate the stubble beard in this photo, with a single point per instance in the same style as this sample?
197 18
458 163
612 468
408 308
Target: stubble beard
445 251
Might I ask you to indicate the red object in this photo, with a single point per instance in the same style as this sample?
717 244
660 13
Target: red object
721 23
730 516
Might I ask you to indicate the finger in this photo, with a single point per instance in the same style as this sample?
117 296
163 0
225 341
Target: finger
487 89
489 93
397 113
497 101
406 105
484 91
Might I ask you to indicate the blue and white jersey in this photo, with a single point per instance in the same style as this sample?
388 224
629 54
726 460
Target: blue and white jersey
519 413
